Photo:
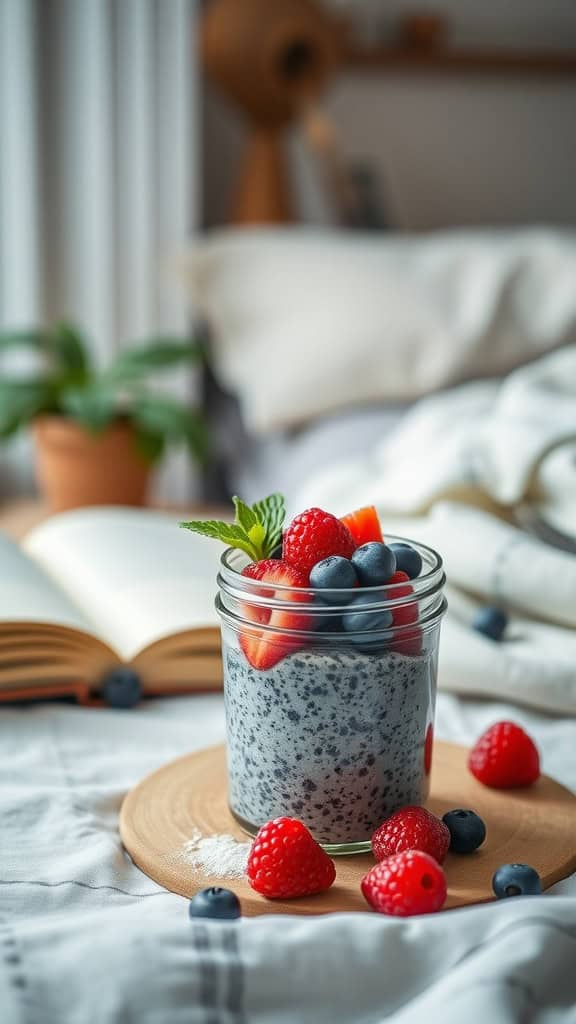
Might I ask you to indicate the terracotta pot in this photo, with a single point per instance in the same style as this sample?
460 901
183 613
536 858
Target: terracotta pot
75 467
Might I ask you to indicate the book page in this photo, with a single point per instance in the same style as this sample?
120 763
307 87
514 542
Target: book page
134 573
27 594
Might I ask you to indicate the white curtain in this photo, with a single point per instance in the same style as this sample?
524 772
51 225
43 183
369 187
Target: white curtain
98 183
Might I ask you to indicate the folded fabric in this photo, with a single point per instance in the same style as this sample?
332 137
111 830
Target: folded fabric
489 562
485 443
452 475
306 322
506 566
145 962
534 666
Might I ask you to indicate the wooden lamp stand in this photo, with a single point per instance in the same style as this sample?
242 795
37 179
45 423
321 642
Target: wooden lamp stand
272 58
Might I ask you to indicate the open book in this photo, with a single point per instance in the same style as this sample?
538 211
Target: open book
94 589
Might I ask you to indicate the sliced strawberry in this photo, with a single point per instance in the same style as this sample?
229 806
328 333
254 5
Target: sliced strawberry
406 613
253 611
364 525
428 748
409 640
265 648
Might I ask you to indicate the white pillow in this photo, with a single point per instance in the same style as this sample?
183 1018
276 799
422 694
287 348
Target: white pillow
306 321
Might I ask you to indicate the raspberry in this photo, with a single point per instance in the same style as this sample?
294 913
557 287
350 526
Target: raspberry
312 536
405 884
411 828
505 757
285 861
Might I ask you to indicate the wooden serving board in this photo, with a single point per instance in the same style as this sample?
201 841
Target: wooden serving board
534 826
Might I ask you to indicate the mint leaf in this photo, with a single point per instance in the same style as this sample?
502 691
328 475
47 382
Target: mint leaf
256 531
245 517
271 512
229 533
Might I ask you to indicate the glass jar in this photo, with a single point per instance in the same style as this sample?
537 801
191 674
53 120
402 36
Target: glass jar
333 727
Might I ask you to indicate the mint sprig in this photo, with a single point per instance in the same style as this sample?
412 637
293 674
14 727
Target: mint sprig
256 529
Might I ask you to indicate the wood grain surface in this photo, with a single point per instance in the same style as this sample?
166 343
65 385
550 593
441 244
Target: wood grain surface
536 826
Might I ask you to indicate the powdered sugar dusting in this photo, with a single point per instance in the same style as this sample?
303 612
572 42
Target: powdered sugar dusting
220 856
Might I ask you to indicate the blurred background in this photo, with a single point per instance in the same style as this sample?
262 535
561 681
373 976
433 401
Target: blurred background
204 206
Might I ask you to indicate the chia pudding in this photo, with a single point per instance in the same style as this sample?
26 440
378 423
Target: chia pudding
333 737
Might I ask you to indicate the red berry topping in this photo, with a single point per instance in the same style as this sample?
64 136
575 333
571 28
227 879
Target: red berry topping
428 748
265 648
411 828
408 641
505 757
312 536
364 525
405 884
285 861
406 613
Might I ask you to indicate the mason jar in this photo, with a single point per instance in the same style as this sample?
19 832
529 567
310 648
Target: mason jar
324 724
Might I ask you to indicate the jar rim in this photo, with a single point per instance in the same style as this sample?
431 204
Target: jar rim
228 574
238 592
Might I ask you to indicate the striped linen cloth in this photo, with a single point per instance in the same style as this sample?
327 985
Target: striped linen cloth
86 938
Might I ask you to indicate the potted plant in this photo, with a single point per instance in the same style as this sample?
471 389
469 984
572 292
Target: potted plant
97 434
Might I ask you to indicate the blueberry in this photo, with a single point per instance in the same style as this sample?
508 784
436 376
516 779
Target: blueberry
361 618
467 830
325 617
491 622
330 624
408 560
516 880
374 564
215 902
122 688
331 574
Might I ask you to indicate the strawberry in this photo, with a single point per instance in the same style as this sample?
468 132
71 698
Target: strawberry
411 828
428 748
407 883
409 640
254 612
364 525
505 757
285 861
264 648
314 535
406 613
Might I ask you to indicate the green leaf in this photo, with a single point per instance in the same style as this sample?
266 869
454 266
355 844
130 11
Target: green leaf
21 401
256 530
271 512
257 535
168 418
143 360
229 533
245 516
95 407
70 349
150 445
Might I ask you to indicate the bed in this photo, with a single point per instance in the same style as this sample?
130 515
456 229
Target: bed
84 935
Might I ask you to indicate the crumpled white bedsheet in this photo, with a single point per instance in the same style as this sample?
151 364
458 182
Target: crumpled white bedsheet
451 475
86 938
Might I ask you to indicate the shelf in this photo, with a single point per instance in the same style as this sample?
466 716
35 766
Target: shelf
494 62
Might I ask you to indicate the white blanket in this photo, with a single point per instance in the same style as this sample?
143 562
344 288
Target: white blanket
458 466
85 938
